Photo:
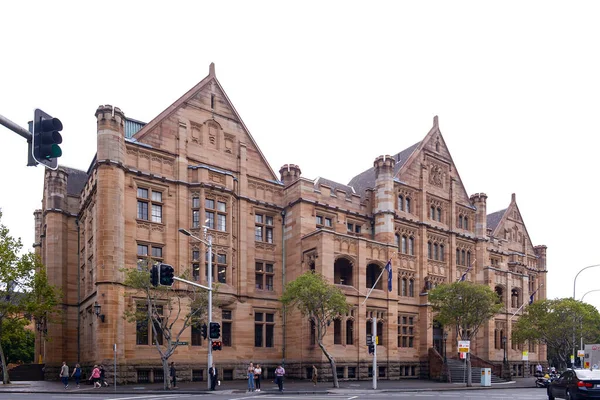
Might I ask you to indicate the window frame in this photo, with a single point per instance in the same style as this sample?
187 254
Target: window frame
266 229
149 204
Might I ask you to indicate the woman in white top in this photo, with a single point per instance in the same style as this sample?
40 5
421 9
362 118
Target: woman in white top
257 374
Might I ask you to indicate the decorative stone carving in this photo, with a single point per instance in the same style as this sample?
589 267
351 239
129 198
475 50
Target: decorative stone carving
265 246
437 174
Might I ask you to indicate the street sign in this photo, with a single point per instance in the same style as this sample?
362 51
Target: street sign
464 346
580 353
525 356
369 340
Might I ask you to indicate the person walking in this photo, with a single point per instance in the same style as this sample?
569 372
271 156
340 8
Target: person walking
77 374
257 374
539 370
212 372
251 377
95 377
315 375
173 373
103 376
279 373
64 374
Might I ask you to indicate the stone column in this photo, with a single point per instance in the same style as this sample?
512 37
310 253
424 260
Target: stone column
383 209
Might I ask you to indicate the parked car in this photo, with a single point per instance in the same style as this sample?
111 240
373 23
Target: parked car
576 384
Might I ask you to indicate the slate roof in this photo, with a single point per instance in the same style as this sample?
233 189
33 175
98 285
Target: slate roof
366 179
334 186
75 181
493 219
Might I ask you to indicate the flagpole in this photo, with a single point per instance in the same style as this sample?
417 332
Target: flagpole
523 305
466 272
375 284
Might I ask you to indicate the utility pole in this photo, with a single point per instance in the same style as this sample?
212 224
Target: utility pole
374 330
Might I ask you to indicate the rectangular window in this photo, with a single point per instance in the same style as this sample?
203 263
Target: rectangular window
263 228
226 322
319 220
141 326
219 265
264 329
155 205
216 214
196 202
264 275
210 219
196 335
328 222
195 218
144 251
350 227
406 326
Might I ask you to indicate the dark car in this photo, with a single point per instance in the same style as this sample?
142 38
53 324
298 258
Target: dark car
576 384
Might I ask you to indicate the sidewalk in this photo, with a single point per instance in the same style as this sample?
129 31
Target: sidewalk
240 386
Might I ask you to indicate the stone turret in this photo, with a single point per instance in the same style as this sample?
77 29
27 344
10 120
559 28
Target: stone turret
56 189
479 200
111 133
290 173
383 208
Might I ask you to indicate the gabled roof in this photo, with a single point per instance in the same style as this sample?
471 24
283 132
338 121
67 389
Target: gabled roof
189 95
334 186
366 179
494 219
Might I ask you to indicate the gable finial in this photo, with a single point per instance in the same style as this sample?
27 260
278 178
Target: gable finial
211 69
514 197
435 121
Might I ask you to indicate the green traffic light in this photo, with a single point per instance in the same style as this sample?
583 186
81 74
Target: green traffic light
55 151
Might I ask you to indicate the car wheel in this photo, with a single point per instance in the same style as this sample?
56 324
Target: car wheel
550 397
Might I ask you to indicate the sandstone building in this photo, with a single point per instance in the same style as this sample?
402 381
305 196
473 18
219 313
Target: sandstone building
197 161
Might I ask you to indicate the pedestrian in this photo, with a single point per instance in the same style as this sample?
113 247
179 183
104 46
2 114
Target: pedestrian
279 373
173 374
103 376
95 377
76 374
250 371
314 375
214 375
257 374
539 370
64 374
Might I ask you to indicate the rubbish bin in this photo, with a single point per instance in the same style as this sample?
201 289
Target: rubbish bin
486 377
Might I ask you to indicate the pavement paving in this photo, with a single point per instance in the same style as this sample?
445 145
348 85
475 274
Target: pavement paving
291 386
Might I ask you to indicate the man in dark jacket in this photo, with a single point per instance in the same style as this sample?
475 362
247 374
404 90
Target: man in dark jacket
213 377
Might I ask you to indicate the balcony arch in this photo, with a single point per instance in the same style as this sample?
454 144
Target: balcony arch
343 272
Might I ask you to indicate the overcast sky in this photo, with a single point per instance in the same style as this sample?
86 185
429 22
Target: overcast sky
330 86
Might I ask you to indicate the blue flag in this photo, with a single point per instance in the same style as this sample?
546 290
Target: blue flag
533 294
388 267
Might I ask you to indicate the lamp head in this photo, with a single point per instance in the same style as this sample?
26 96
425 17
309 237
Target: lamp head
185 232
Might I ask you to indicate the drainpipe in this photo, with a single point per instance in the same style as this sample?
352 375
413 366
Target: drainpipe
283 276
78 294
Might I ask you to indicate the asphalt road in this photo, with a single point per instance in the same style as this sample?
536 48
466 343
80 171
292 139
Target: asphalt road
488 394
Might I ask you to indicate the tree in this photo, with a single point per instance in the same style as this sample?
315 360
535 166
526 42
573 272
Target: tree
558 323
169 311
24 290
18 342
321 301
466 306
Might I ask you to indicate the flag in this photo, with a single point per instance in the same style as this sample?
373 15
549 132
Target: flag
464 276
533 294
388 267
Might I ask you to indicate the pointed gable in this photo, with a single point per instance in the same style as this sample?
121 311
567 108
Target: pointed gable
508 224
214 131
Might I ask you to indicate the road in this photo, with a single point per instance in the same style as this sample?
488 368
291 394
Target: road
488 394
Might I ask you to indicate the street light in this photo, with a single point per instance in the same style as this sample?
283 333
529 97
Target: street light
581 325
505 361
445 338
208 243
574 283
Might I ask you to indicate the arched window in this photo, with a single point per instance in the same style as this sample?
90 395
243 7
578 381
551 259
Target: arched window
466 224
429 250
439 214
436 252
500 292
457 257
397 240
403 247
468 259
380 332
432 212
411 288
411 246
337 331
462 257
401 203
349 332
441 252
408 204
404 291
373 271
460 221
342 272
514 298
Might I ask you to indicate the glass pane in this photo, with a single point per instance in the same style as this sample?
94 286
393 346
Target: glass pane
142 250
269 235
156 213
258 267
269 283
209 204
226 333
195 255
269 267
328 222
143 193
222 222
258 236
196 202
226 314
142 210
222 258
258 316
258 218
258 279
195 218
258 331
221 206
157 196
222 275
270 317
210 217
319 220
157 252
269 336
269 220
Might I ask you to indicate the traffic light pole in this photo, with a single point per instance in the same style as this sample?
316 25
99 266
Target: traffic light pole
15 128
210 272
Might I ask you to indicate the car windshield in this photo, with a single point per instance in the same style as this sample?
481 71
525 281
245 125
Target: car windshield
585 374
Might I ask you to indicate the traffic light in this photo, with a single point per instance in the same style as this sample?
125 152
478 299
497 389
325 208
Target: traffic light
217 345
46 139
203 331
371 349
166 274
154 275
215 330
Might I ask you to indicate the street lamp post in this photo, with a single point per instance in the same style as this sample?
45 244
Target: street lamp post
581 326
505 361
445 338
208 243
574 283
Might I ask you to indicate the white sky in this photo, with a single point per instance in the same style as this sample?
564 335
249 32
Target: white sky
331 85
